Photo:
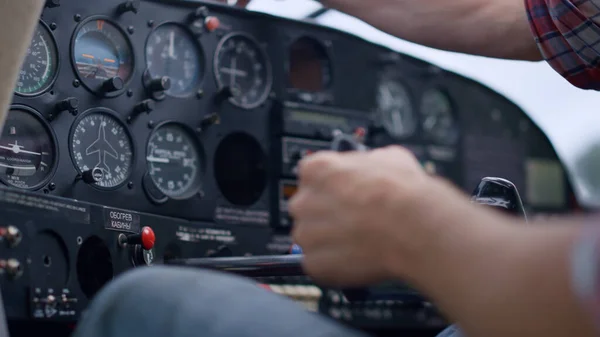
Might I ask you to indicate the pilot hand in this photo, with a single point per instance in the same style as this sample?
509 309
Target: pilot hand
356 214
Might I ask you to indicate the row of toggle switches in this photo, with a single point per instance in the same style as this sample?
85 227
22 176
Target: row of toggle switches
307 295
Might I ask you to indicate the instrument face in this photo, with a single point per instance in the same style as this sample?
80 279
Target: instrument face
100 140
172 51
396 110
41 64
241 64
28 154
175 161
439 123
102 51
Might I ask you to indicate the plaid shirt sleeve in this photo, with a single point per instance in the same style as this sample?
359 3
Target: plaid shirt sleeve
567 33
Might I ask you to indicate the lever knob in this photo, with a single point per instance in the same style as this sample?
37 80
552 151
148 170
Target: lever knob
159 84
113 84
70 104
145 238
92 176
129 6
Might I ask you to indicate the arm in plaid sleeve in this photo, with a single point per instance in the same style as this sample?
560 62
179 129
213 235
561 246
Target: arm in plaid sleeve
567 33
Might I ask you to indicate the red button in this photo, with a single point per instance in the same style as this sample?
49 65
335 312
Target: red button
212 23
360 132
148 238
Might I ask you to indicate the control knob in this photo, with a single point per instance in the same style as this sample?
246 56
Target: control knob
157 87
113 84
70 104
129 6
141 246
91 176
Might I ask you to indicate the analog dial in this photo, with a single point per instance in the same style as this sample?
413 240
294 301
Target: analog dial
173 52
101 140
439 123
27 150
243 66
41 64
396 110
174 160
101 51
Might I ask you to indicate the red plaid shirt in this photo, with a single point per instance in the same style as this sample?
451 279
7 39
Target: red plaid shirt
568 35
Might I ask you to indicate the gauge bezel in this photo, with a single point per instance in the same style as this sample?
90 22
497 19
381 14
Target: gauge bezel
50 83
129 44
197 45
265 95
114 114
53 167
326 47
412 101
453 113
201 155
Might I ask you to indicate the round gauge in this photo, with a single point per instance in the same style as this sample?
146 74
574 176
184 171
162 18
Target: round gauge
438 123
395 109
27 150
40 67
103 56
174 161
173 52
309 66
242 65
99 140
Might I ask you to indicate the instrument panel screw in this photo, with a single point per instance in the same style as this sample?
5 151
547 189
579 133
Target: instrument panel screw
77 17
53 26
151 124
150 23
76 83
130 185
200 94
130 30
79 240
129 93
52 186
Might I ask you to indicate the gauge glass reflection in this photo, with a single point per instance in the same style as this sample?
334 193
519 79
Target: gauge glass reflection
243 66
173 52
396 110
27 150
101 51
41 64
438 123
174 161
101 140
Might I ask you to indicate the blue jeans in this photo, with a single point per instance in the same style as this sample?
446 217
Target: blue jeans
176 302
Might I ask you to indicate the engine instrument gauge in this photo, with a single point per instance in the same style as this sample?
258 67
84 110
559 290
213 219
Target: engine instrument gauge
100 140
173 52
438 123
102 56
28 152
40 67
242 65
395 109
175 162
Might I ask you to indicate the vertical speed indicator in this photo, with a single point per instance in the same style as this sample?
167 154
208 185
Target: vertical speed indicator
241 64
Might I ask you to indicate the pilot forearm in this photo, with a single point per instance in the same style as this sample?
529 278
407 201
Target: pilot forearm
497 279
493 28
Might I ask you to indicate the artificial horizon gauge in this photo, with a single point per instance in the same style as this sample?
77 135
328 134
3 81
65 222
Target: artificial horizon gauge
174 160
100 140
102 56
395 109
40 66
173 52
28 152
438 120
241 64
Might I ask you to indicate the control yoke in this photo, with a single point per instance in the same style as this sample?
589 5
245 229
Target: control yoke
493 192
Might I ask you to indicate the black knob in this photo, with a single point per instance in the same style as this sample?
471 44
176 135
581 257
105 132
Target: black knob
199 13
209 120
159 84
500 194
113 84
146 106
223 95
52 3
70 104
92 176
129 6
